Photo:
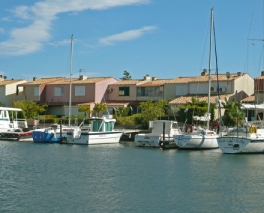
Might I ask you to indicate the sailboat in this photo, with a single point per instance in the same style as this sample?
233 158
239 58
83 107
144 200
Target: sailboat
200 138
246 139
56 132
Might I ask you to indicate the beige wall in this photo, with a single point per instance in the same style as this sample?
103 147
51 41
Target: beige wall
243 87
114 95
3 96
29 93
169 91
10 93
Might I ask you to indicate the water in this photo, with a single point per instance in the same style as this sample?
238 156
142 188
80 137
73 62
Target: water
125 178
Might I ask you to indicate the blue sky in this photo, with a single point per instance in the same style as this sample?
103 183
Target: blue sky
162 38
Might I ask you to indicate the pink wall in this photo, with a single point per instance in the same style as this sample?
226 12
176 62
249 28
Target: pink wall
94 92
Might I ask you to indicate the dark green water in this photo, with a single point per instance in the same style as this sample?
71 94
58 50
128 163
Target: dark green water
125 178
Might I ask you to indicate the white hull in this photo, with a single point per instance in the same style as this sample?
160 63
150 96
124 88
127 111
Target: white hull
92 138
186 141
160 136
147 140
234 145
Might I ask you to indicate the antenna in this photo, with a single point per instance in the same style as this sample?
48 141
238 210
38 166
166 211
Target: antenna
80 70
228 75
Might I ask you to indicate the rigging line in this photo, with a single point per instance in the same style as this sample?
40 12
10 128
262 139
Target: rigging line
66 73
217 77
259 65
216 64
204 49
76 54
246 68
252 19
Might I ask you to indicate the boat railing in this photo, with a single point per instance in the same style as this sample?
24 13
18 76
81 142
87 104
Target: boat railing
20 123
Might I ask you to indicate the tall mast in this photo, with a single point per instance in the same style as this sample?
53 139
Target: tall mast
70 81
210 61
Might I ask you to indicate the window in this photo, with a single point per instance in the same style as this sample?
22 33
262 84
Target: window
36 91
79 90
123 91
97 126
58 91
182 90
109 126
150 91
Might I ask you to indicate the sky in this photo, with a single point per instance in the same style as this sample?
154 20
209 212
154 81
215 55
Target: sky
162 38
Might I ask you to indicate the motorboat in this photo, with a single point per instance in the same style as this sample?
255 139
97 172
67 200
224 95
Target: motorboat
99 131
161 135
13 128
51 134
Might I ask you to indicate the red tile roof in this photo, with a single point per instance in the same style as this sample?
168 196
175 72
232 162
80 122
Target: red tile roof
221 77
129 82
42 81
78 81
155 83
6 82
188 98
249 99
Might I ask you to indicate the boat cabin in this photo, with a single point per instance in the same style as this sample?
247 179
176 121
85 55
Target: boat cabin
104 124
10 123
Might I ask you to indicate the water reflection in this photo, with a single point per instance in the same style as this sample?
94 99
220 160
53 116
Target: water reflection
125 178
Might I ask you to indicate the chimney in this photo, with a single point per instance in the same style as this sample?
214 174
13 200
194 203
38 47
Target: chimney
147 77
204 72
239 73
82 77
35 78
154 78
262 73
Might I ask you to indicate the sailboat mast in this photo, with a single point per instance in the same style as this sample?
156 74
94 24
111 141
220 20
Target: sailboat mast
210 62
70 81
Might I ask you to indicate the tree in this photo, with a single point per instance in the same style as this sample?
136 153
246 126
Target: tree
30 109
173 110
126 76
99 107
151 111
194 108
122 111
233 114
84 108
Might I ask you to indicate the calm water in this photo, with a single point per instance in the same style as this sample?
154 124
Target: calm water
125 178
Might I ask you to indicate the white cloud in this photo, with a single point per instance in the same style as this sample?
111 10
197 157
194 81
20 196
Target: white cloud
2 31
127 35
60 43
31 38
8 19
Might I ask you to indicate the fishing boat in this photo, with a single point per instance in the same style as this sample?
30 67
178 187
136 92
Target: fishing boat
160 136
13 128
99 131
54 133
246 139
196 137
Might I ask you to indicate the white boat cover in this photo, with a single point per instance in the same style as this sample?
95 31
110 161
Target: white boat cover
10 109
252 106
206 117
